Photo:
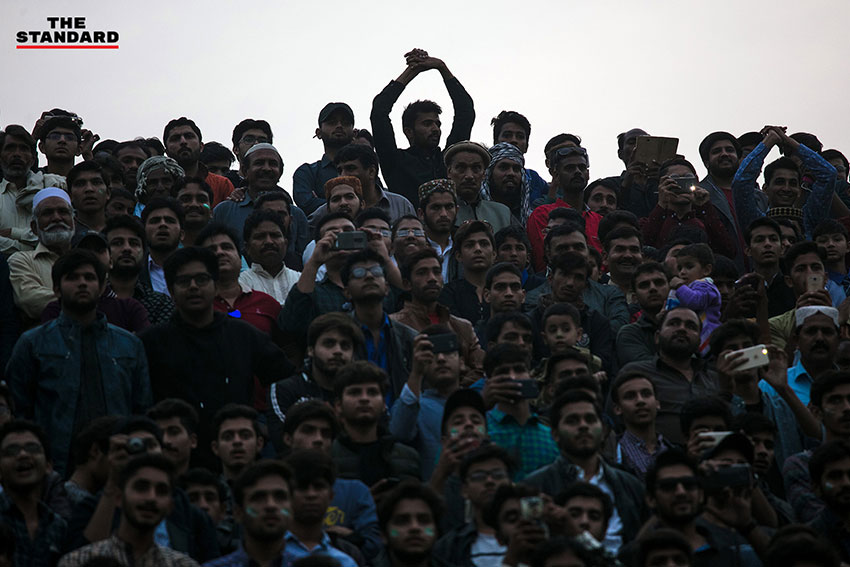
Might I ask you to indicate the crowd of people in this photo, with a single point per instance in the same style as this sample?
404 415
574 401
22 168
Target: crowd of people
421 356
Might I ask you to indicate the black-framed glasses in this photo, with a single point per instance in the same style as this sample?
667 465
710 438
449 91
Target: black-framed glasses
249 139
199 279
360 273
14 449
670 484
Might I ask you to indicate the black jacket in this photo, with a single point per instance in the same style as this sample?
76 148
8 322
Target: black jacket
399 459
399 354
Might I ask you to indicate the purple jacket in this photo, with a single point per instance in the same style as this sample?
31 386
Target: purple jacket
703 297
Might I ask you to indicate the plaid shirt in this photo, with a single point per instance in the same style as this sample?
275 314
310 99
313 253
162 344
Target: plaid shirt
44 548
301 308
531 445
113 547
632 453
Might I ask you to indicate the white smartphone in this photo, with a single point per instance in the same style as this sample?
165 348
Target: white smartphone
754 357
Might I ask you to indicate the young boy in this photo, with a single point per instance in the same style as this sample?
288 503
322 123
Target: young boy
695 290
562 331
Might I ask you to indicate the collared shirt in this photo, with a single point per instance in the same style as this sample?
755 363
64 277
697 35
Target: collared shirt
798 379
113 547
531 444
634 455
376 351
45 548
157 277
278 286
308 183
241 559
296 550
31 279
417 422
16 210
254 307
445 255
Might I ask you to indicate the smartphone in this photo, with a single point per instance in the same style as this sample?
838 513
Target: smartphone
447 342
531 508
814 282
654 148
351 240
685 184
529 389
754 357
715 436
748 280
732 476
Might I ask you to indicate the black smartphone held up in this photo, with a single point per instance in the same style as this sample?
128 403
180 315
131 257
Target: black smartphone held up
732 476
685 184
447 342
529 389
351 240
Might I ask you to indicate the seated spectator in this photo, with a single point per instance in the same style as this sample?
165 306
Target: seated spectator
512 245
520 536
664 546
163 220
467 164
503 292
510 327
588 510
561 329
196 198
408 235
763 243
505 183
474 250
237 441
622 254
266 245
601 196
409 517
514 128
183 142
636 341
179 424
703 415
89 192
90 452
209 493
695 290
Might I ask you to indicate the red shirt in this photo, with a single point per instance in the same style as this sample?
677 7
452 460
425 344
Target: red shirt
540 217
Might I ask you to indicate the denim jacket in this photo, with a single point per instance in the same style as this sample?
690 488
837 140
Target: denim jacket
44 377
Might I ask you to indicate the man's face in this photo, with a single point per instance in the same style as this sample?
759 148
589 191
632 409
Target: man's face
568 286
817 340
805 266
60 144
237 445
369 287
267 244
229 260
835 410
332 351
267 509
637 404
381 227
783 189
130 159
16 158
508 519
23 464
310 502
678 497
585 514
574 173
476 253
579 431
440 213
196 204
466 424
572 242
311 434
835 245
126 250
89 192
193 289
506 179
764 444
79 290
206 497
765 246
146 498
629 141
467 172
624 256
425 133
183 145
343 199
505 293
561 332
409 237
361 404
445 370
651 289
722 159
159 182
354 168
54 222
513 133
679 335
412 528
602 200
281 208
337 129
219 167
263 170
248 140
426 280
481 481
163 231
513 251
514 334
119 206
176 440
834 485
567 369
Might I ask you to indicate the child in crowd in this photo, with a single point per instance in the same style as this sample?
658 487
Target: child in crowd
695 290
562 331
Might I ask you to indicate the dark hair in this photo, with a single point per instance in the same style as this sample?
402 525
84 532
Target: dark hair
801 249
606 183
499 269
504 493
60 121
571 353
695 408
587 490
503 354
320 224
622 233
409 490
305 410
175 407
359 372
668 458
363 256
562 230
829 226
182 182
136 423
711 139
467 229
826 454
614 218
372 213
214 151
309 465
96 432
128 222
438 329
334 321
559 139
364 154
89 165
111 167
724 267
579 382
506 117
182 121
570 215
562 544
826 383
251 124
567 262
794 544
665 314
366 135
660 539
515 232
146 460
414 258
414 109
751 423
567 309
626 377
650 267
17 131
152 146
119 193
129 144
235 411
809 140
485 453
187 255
257 471
781 163
676 160
731 329
218 229
273 195
701 252
204 477
496 322
164 203
571 397
831 154
73 260
259 216
758 223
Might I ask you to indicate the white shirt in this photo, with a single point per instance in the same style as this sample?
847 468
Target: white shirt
257 279
614 535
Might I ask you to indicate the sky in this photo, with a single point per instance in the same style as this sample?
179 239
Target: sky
677 68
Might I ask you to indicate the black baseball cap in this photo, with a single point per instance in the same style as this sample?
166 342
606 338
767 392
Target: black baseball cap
331 107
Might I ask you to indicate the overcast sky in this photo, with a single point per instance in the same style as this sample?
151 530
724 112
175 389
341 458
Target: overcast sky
594 68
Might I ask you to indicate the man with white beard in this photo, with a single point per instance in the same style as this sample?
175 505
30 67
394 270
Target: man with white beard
30 270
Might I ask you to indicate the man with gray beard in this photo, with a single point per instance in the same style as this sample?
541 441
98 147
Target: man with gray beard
29 271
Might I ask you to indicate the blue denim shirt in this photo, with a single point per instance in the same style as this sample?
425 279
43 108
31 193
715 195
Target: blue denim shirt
44 377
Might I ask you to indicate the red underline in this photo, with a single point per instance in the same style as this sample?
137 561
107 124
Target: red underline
66 47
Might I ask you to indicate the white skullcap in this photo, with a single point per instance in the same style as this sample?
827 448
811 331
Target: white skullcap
48 192
263 146
804 313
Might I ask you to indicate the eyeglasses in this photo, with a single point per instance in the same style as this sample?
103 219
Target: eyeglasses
56 136
481 476
410 232
385 232
249 139
670 484
31 448
360 273
199 279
